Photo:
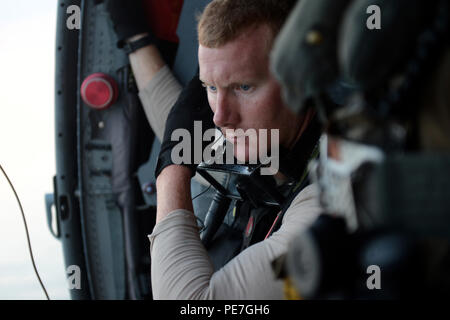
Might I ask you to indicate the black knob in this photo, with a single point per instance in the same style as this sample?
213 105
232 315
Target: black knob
319 259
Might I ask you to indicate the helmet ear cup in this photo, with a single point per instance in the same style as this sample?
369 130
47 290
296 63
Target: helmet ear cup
304 57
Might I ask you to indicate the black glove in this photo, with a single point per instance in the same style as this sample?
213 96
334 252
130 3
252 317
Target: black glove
128 19
192 105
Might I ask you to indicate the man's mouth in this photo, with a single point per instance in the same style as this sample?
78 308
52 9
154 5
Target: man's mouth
229 134
233 138
240 135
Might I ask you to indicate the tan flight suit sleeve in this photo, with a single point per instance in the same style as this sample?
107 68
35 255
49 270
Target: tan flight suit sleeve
181 268
158 97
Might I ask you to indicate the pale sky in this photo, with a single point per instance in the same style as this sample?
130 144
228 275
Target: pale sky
27 49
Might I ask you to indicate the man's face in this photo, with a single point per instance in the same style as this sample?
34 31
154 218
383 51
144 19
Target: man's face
243 94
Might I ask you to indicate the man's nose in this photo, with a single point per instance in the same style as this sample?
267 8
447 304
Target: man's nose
224 113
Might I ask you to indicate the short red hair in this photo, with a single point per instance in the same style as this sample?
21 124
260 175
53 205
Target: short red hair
224 20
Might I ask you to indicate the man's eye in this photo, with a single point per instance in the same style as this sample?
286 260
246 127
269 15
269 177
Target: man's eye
209 88
244 87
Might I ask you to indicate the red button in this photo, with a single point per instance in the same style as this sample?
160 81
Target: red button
99 91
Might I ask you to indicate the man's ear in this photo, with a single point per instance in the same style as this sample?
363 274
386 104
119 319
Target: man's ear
333 148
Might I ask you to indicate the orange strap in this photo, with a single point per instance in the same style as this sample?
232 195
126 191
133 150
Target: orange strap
273 225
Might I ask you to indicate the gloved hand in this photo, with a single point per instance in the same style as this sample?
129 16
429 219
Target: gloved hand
192 105
127 18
